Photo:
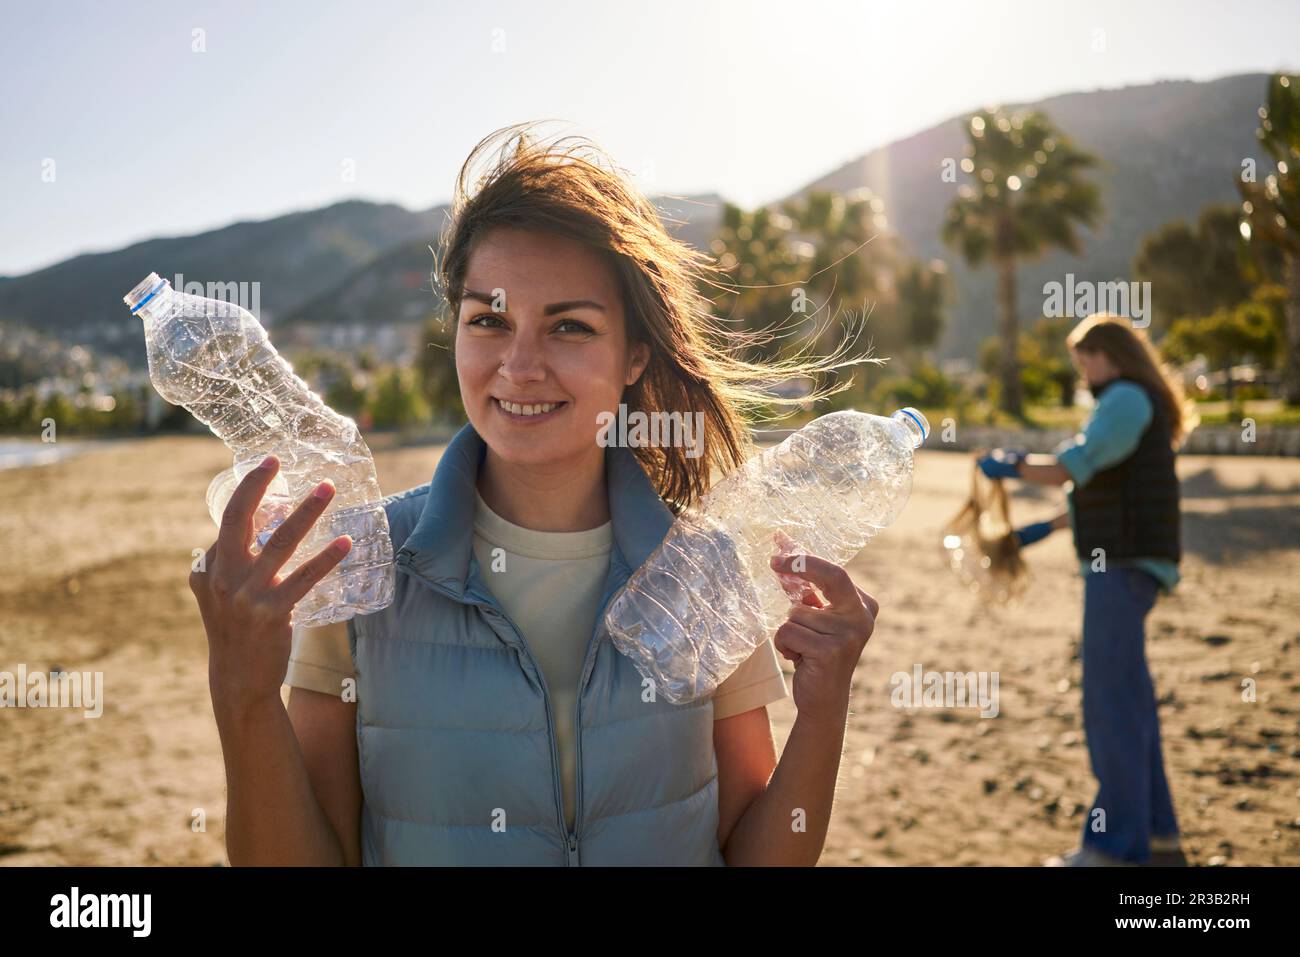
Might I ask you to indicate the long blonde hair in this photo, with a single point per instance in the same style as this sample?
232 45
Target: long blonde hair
571 187
1137 359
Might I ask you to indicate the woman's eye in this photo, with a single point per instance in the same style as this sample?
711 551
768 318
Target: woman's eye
572 326
489 320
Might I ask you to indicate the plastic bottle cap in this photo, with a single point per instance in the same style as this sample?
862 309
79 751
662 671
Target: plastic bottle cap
145 290
919 420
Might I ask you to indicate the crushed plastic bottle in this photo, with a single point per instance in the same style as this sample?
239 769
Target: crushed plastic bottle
707 596
214 358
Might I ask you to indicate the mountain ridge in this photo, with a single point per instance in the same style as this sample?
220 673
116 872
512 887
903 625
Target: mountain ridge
1168 148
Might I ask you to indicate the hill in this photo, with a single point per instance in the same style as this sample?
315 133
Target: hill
293 257
1167 150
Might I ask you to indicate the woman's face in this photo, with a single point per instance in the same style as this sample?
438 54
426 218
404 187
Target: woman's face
1095 366
541 346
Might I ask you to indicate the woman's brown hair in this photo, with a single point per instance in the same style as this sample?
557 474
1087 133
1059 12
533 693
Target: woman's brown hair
1136 358
570 187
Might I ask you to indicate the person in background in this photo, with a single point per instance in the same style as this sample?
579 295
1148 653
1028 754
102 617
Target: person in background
1124 512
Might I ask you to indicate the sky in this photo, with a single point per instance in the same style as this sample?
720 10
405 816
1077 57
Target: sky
125 121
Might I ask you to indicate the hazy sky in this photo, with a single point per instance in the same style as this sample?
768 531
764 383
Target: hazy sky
148 136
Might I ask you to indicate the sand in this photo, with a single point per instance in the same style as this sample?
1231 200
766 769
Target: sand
93 572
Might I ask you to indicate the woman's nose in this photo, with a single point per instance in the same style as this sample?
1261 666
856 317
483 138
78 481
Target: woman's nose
522 363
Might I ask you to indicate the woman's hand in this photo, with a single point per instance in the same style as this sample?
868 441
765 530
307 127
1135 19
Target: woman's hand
1001 463
1036 532
824 638
244 602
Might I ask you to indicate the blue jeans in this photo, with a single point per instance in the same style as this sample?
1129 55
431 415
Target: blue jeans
1119 718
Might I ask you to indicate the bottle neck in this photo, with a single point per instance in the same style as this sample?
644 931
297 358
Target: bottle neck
151 299
914 424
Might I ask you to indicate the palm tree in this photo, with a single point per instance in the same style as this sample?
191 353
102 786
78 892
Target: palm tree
1026 197
1199 267
755 250
813 252
850 265
850 249
922 301
1271 210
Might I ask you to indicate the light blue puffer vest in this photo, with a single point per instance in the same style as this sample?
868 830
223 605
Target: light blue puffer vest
459 763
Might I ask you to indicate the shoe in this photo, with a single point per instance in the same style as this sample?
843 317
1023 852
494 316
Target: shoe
1166 852
1171 858
1086 857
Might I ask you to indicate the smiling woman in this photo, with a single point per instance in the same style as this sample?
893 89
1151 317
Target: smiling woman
548 355
493 721
613 295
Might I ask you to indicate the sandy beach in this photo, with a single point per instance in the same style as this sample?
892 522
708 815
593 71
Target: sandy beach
93 571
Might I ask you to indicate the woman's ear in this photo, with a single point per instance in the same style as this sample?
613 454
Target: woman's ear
639 359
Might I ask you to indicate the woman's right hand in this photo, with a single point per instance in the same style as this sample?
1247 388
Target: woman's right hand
245 603
1001 463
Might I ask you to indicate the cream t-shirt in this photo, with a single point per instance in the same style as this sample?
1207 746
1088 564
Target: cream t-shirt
550 585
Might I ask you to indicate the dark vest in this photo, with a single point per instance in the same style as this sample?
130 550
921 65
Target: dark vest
1131 509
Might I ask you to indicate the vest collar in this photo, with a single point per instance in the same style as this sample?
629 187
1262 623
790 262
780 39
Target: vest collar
440 548
1097 390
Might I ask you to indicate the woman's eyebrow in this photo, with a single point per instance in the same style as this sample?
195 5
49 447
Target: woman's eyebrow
555 307
550 310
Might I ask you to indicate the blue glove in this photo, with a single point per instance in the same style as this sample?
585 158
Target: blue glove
1001 463
1033 533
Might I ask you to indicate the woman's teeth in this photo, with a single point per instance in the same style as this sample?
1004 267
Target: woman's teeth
517 409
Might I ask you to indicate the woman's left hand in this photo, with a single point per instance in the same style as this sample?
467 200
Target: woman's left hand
824 638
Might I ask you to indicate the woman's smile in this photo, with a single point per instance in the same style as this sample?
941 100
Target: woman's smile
528 413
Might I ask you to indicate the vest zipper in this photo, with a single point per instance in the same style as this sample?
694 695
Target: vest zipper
571 839
587 666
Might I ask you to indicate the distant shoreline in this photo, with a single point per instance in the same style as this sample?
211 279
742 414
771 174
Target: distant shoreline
29 453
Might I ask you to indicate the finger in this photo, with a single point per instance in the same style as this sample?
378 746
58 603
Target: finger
199 577
784 543
832 579
873 606
811 598
280 547
204 564
796 589
237 519
817 620
291 591
794 641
